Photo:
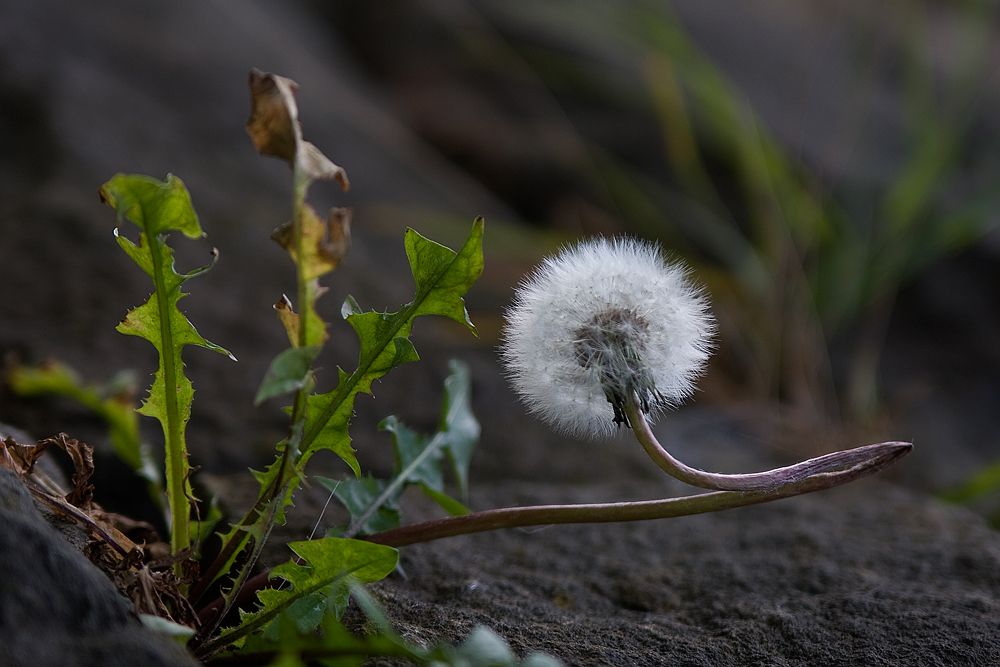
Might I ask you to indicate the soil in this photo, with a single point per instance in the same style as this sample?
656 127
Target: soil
877 573
867 576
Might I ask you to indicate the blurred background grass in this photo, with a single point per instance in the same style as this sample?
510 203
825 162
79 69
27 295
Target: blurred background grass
803 218
829 169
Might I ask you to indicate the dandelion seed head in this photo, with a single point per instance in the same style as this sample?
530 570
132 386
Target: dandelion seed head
600 320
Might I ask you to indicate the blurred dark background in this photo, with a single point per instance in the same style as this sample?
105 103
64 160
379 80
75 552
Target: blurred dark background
829 169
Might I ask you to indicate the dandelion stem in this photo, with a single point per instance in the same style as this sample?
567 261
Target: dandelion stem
769 480
879 456
876 458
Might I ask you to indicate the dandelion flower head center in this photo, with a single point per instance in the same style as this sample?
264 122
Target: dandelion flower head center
599 321
612 344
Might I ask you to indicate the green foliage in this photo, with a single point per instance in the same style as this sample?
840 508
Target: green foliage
290 371
332 645
318 422
317 248
297 622
384 345
459 424
112 402
442 277
358 495
373 503
316 587
335 646
158 207
289 641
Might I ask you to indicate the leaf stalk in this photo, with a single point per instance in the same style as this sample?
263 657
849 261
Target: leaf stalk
176 456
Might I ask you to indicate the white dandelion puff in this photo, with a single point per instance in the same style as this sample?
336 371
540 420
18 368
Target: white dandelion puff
598 321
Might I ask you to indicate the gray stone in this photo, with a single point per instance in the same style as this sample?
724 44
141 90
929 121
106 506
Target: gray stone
58 609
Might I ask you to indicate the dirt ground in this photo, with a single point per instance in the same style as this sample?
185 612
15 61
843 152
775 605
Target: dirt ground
868 574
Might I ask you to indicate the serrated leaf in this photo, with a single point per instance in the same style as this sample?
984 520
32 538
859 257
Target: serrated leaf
338 415
238 536
288 372
442 277
332 412
157 207
418 461
154 206
327 561
384 346
252 534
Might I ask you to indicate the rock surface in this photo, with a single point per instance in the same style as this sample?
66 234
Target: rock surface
865 575
59 610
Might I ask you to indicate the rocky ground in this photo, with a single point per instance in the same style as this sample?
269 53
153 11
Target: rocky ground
879 573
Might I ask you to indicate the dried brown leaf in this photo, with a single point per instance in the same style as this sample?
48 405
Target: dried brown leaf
20 458
336 242
121 559
319 167
274 128
82 456
289 318
273 124
325 243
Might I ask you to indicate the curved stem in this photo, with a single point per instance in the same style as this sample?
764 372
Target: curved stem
872 459
876 458
769 480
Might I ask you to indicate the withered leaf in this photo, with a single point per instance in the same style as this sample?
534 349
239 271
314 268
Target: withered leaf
274 128
325 243
273 123
82 456
289 318
20 458
319 167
